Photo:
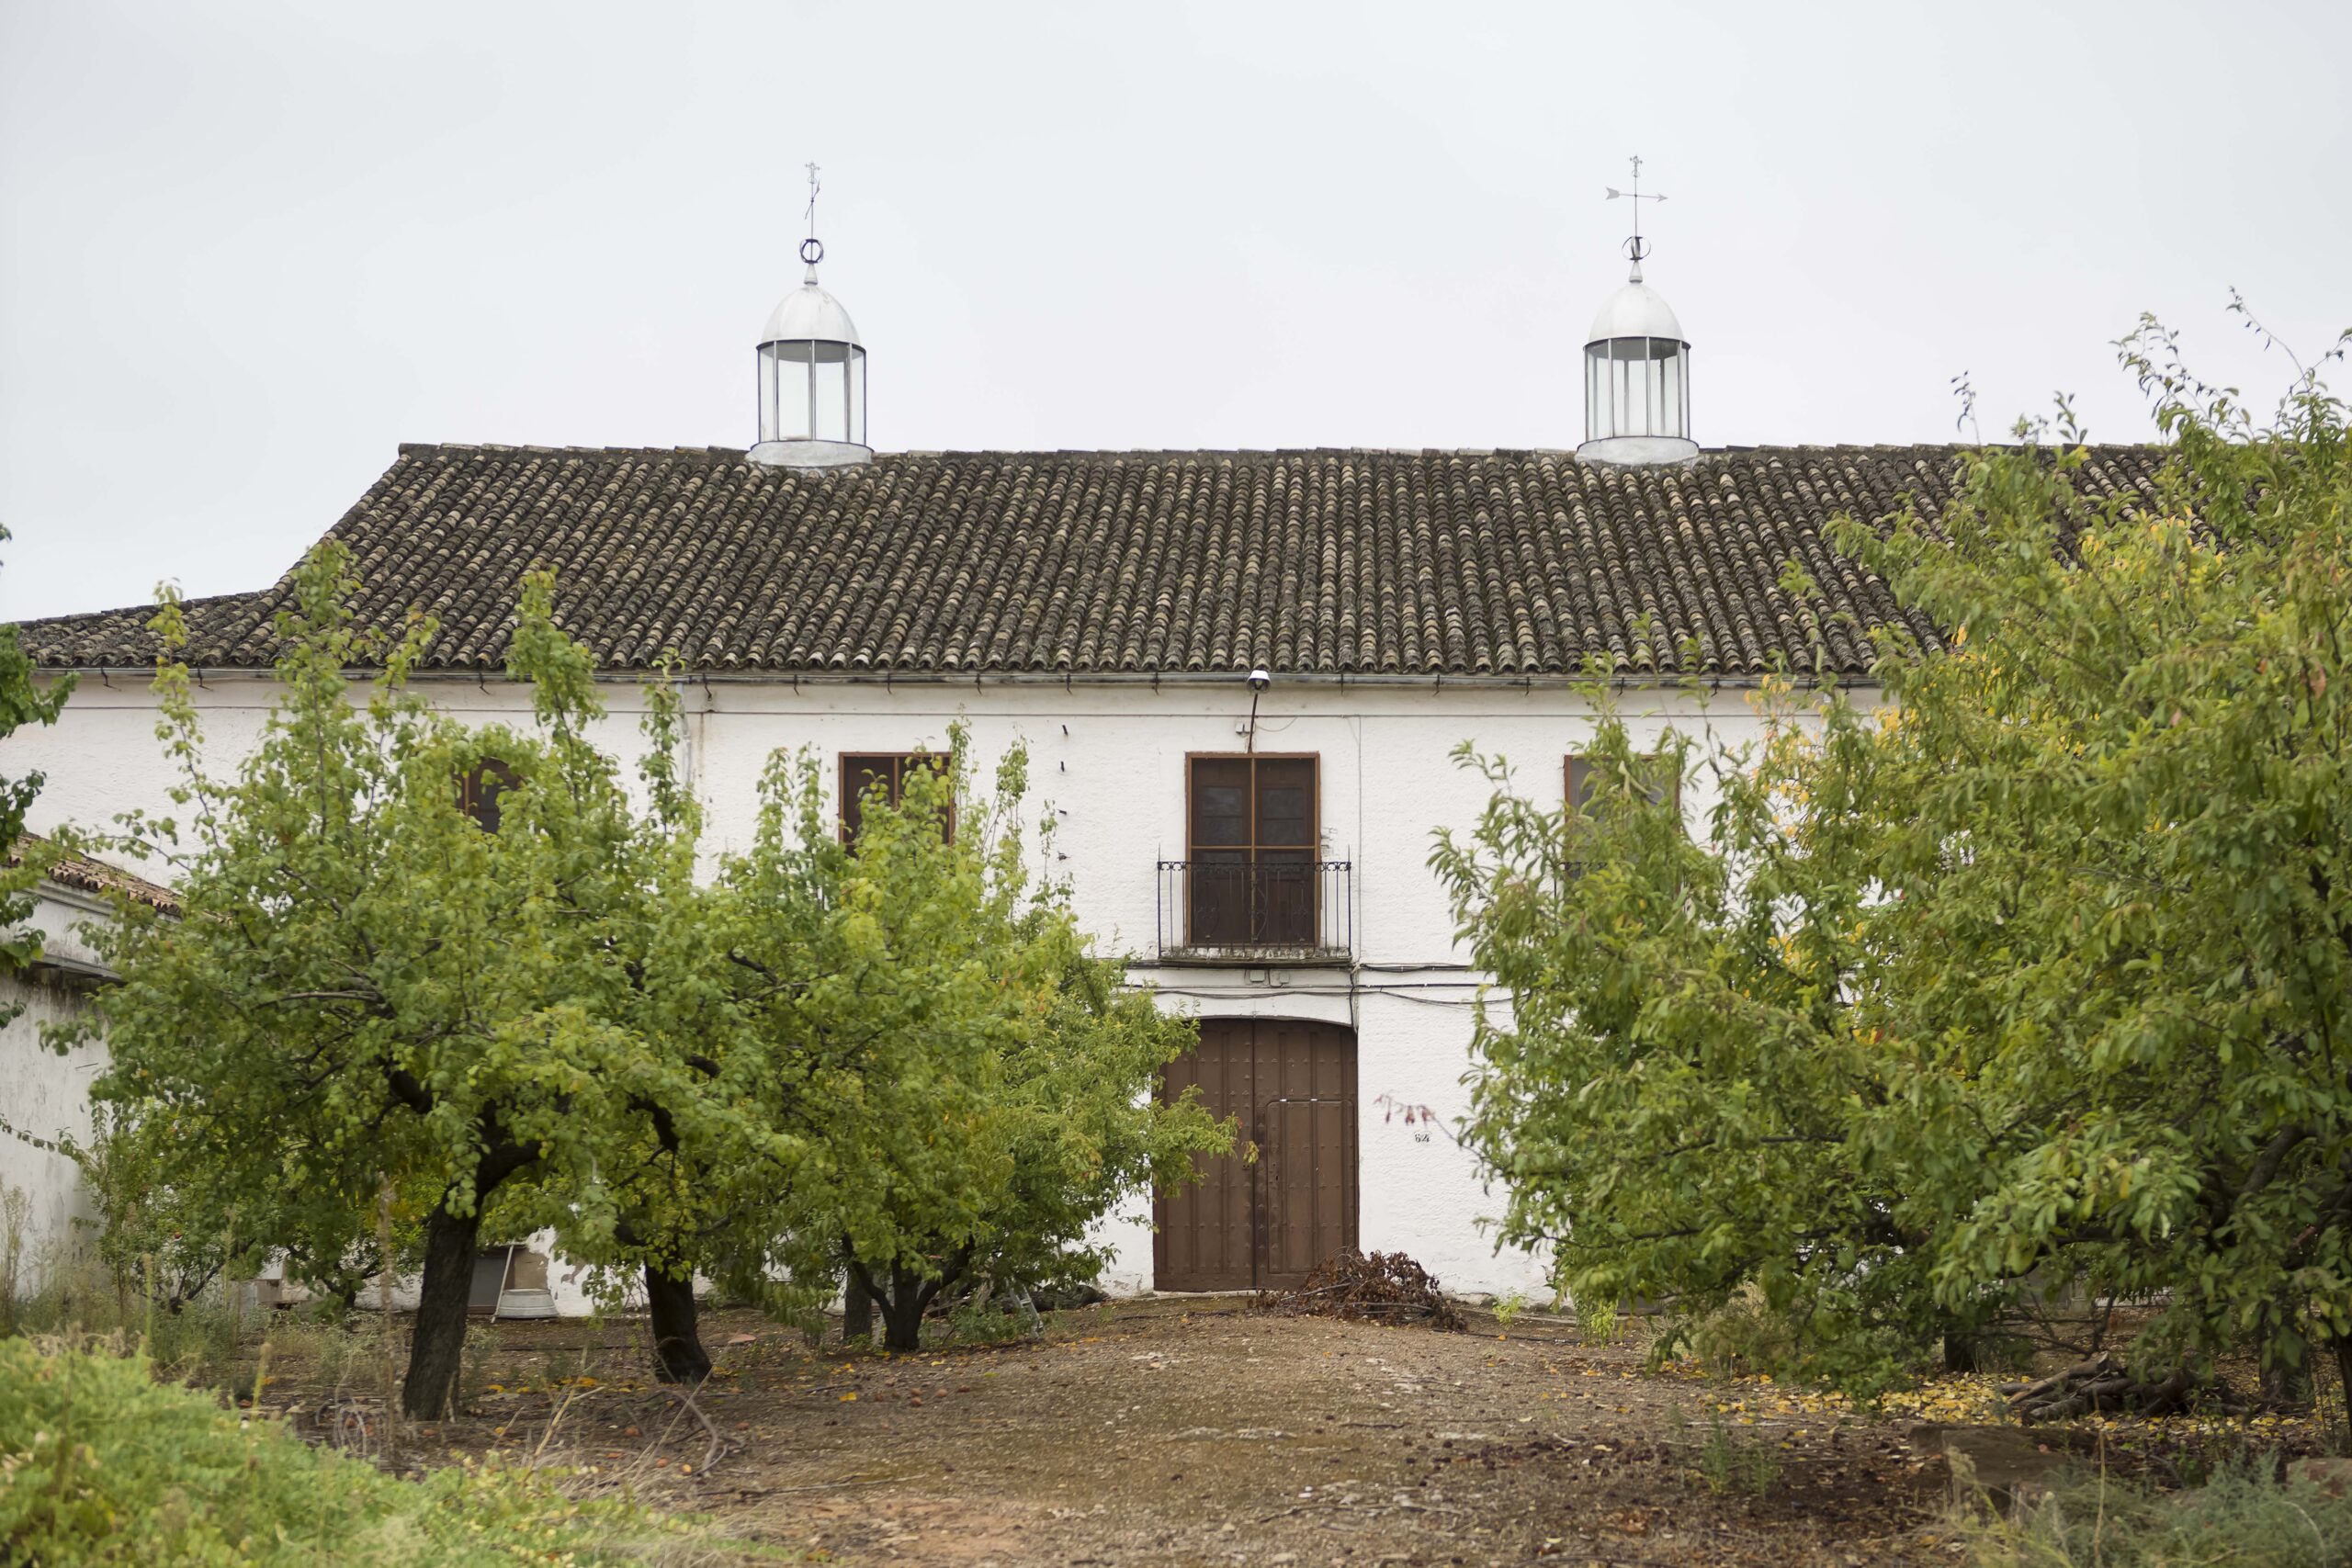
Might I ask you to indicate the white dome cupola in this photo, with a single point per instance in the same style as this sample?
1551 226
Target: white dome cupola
812 373
1636 369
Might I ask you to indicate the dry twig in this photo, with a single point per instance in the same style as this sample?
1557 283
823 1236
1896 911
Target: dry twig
685 1398
1369 1285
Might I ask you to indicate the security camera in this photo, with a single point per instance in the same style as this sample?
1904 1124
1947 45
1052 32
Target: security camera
1259 679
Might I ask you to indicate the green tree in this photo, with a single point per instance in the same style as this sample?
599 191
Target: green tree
967 1087
2032 974
1671 1092
22 702
692 1159
2131 792
366 986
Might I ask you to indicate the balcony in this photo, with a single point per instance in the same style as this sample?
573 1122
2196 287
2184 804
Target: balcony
1256 913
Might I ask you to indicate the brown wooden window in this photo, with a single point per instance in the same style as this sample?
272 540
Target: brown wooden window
1252 838
860 771
1665 783
479 789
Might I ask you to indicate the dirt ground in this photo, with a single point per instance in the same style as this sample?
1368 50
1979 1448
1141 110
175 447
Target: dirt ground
1200 1432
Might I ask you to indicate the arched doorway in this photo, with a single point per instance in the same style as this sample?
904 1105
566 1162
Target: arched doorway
1262 1223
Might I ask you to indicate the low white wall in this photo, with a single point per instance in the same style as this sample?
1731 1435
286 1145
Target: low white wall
44 1100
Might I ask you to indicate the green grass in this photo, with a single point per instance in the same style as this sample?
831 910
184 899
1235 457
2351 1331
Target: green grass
2242 1519
103 1463
1727 1464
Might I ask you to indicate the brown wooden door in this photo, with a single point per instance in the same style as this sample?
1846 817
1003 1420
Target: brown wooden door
1290 1087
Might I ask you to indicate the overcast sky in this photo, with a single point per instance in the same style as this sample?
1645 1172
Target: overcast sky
246 249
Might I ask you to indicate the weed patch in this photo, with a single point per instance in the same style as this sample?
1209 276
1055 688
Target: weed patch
1727 1464
101 1464
2243 1516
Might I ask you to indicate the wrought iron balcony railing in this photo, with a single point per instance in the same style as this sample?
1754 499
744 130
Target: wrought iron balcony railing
1256 912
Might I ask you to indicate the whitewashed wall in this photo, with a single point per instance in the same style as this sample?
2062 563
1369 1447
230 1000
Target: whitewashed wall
1109 760
44 1096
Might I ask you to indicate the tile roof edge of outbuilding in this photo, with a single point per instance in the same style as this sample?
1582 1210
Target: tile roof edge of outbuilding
88 874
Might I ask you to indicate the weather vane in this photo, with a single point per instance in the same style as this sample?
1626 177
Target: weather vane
812 250
1635 247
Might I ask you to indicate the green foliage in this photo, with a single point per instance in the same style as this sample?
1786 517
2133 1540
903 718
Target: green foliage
2243 1516
101 1464
172 1227
1741 1336
21 703
1666 1097
963 1083
366 988
1601 1322
2029 977
380 1028
974 1321
155 1234
2129 820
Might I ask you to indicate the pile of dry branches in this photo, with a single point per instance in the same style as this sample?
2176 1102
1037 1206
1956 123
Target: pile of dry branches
1378 1287
2102 1385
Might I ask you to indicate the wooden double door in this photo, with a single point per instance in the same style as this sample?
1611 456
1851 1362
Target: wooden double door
1262 1222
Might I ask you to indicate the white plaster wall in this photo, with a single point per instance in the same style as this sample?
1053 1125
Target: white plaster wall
44 1101
1109 760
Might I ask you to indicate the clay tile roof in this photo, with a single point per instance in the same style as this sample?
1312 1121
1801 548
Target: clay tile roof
1328 561
79 871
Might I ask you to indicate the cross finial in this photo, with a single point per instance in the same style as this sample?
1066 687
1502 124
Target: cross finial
1636 247
811 250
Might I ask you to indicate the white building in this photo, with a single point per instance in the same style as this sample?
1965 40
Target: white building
1260 852
45 1210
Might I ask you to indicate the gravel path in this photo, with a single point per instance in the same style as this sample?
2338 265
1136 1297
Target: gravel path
1168 1431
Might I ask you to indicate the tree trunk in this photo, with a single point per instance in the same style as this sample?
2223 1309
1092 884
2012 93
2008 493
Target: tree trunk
678 1355
1960 1353
857 1302
436 1345
902 1312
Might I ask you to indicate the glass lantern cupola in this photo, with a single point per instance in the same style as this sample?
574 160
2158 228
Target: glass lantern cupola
812 373
1637 369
